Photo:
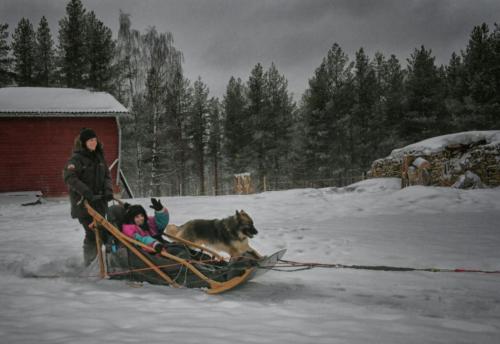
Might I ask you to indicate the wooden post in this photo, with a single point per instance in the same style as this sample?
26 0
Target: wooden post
243 184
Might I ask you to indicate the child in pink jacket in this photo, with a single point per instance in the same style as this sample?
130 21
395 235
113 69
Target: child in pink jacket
146 229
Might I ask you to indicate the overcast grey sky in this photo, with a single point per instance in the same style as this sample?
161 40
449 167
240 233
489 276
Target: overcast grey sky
224 38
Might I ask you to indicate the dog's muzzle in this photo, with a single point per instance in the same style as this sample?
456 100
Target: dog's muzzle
249 231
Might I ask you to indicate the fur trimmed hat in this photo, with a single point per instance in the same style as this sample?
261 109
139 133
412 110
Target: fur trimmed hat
86 134
132 211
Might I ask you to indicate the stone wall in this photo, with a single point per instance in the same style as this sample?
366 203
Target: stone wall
447 165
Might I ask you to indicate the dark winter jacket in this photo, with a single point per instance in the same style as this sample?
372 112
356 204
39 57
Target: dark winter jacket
87 174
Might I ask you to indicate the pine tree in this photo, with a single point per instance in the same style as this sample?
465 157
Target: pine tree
481 65
99 53
455 78
72 47
5 59
327 107
363 127
179 104
214 144
456 92
23 46
177 100
424 90
318 125
44 55
494 119
237 130
278 124
198 129
154 91
136 132
389 108
478 60
256 150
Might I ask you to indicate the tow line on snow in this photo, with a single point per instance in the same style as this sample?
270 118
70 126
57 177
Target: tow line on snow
291 266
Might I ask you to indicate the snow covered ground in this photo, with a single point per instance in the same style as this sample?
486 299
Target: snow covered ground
371 223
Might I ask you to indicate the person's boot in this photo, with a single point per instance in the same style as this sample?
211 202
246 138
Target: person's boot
89 252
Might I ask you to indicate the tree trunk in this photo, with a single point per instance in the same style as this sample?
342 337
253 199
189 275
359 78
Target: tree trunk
202 173
216 175
154 186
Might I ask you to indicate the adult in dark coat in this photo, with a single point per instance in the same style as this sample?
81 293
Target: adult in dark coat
87 175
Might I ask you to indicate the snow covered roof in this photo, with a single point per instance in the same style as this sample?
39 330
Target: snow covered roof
51 100
439 143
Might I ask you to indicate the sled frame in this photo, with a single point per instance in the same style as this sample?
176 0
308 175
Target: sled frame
215 287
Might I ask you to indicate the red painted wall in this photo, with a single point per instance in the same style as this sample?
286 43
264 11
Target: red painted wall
33 151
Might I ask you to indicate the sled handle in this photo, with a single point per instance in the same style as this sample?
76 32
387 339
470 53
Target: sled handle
100 257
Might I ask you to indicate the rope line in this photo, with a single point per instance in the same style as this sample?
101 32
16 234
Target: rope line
287 265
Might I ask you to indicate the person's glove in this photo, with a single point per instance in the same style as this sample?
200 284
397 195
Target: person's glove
157 246
96 198
89 196
156 204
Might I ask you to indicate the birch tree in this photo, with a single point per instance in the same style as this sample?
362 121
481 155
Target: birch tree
162 60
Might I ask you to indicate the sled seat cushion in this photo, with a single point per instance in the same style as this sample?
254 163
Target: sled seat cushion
116 215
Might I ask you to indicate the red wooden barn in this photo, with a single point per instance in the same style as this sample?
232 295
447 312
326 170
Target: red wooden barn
38 127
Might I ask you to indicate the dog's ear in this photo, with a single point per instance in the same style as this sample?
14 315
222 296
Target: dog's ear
237 214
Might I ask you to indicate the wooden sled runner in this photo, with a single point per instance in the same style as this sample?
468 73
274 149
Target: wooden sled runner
183 265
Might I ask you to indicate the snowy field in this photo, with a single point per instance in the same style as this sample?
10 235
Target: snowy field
370 223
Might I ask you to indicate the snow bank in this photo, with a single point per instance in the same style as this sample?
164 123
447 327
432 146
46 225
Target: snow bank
374 185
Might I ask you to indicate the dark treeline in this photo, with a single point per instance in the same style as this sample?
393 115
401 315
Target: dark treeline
179 140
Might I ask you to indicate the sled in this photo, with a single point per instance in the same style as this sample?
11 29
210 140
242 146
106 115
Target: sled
184 264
